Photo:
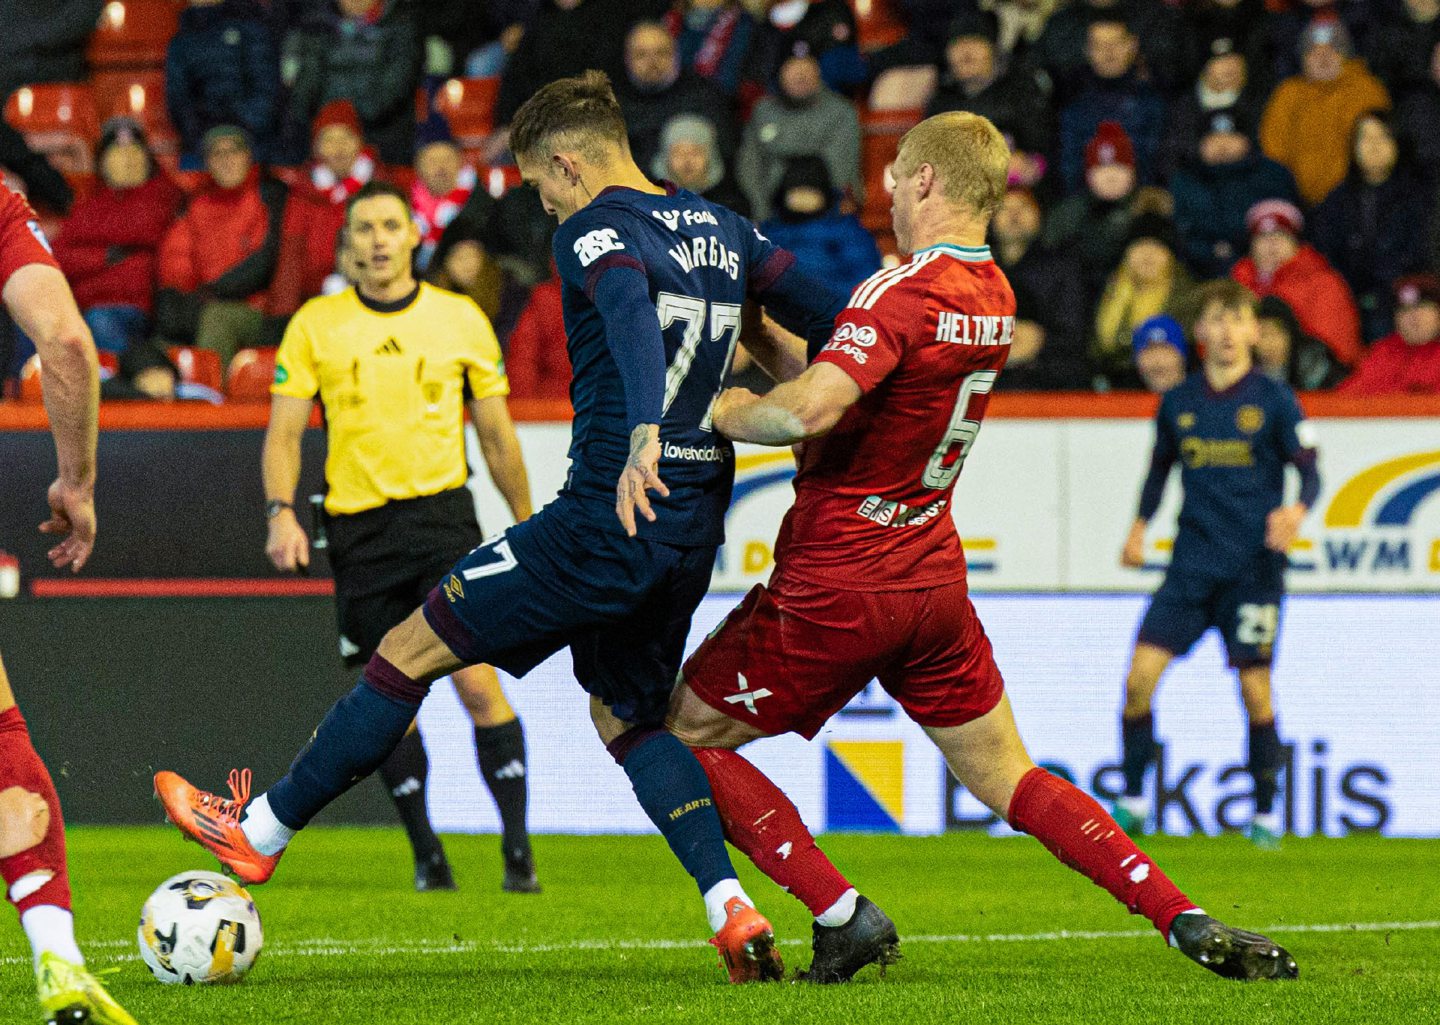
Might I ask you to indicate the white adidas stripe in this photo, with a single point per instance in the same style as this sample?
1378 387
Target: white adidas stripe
869 293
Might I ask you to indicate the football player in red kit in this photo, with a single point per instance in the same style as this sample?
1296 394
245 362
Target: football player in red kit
32 833
870 576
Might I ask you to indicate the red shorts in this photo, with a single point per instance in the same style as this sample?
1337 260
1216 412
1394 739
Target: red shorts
792 655
20 245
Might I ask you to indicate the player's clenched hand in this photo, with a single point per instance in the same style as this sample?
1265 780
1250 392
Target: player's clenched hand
1282 526
1133 554
72 516
640 476
727 404
24 820
287 546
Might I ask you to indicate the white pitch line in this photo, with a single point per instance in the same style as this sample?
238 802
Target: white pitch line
328 947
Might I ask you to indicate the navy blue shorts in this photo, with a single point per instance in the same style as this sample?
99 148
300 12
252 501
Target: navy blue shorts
1246 611
621 605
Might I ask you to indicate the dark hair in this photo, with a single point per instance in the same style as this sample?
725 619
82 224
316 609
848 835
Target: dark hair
1404 153
1228 292
583 110
372 189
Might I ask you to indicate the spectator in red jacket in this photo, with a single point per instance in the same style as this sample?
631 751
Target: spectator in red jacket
315 210
443 183
107 246
535 357
217 259
1407 361
1280 264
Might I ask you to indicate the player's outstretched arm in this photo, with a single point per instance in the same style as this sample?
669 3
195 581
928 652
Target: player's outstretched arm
285 541
501 448
40 302
796 411
781 354
1162 459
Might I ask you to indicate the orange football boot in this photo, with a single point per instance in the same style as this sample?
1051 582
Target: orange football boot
214 823
747 945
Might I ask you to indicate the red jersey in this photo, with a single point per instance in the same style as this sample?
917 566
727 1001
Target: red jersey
21 240
925 342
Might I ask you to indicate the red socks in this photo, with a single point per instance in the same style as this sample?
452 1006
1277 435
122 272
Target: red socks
1075 829
48 883
762 823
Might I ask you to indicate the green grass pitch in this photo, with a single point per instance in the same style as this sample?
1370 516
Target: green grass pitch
618 935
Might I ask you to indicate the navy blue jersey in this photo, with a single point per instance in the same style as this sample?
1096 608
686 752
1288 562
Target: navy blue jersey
627 260
1232 447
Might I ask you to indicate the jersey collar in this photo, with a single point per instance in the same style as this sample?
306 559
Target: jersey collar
965 254
396 306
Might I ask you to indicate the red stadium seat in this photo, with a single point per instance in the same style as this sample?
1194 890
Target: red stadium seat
109 364
880 133
30 390
498 179
877 23
251 373
197 366
58 120
133 34
469 105
139 95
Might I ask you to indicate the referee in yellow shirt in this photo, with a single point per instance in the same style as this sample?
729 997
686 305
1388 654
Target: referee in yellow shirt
394 364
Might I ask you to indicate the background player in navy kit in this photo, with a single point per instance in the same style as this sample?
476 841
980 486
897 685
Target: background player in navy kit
654 280
1233 431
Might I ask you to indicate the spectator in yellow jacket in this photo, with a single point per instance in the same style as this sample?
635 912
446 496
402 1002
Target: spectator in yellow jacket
1307 122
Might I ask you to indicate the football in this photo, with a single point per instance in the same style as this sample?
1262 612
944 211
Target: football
199 927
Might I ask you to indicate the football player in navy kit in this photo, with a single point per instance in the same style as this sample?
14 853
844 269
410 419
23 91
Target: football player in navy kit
1233 430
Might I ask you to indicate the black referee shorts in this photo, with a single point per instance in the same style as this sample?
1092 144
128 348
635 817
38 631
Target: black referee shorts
386 560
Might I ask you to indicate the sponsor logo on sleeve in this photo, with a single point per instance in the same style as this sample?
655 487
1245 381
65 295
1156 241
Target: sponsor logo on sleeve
596 244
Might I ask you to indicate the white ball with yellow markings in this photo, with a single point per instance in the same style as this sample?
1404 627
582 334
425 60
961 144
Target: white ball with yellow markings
200 927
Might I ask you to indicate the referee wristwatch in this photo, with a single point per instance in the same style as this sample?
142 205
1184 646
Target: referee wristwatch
273 507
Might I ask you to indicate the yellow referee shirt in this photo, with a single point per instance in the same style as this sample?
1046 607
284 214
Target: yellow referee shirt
393 380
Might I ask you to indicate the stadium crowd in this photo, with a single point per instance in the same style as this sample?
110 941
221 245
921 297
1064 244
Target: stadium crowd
1293 145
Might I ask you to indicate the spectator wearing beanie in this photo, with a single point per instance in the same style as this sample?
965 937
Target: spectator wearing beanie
1113 92
1280 264
217 260
222 68
315 208
690 156
367 53
1047 350
805 218
1226 26
1149 281
1286 353
108 245
1225 86
1215 188
1307 123
972 79
656 88
443 184
1374 226
1157 349
1407 361
1095 224
803 119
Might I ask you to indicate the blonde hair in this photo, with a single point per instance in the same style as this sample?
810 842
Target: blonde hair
969 155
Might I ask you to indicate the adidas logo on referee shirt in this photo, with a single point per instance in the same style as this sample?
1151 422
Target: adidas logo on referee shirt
390 347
